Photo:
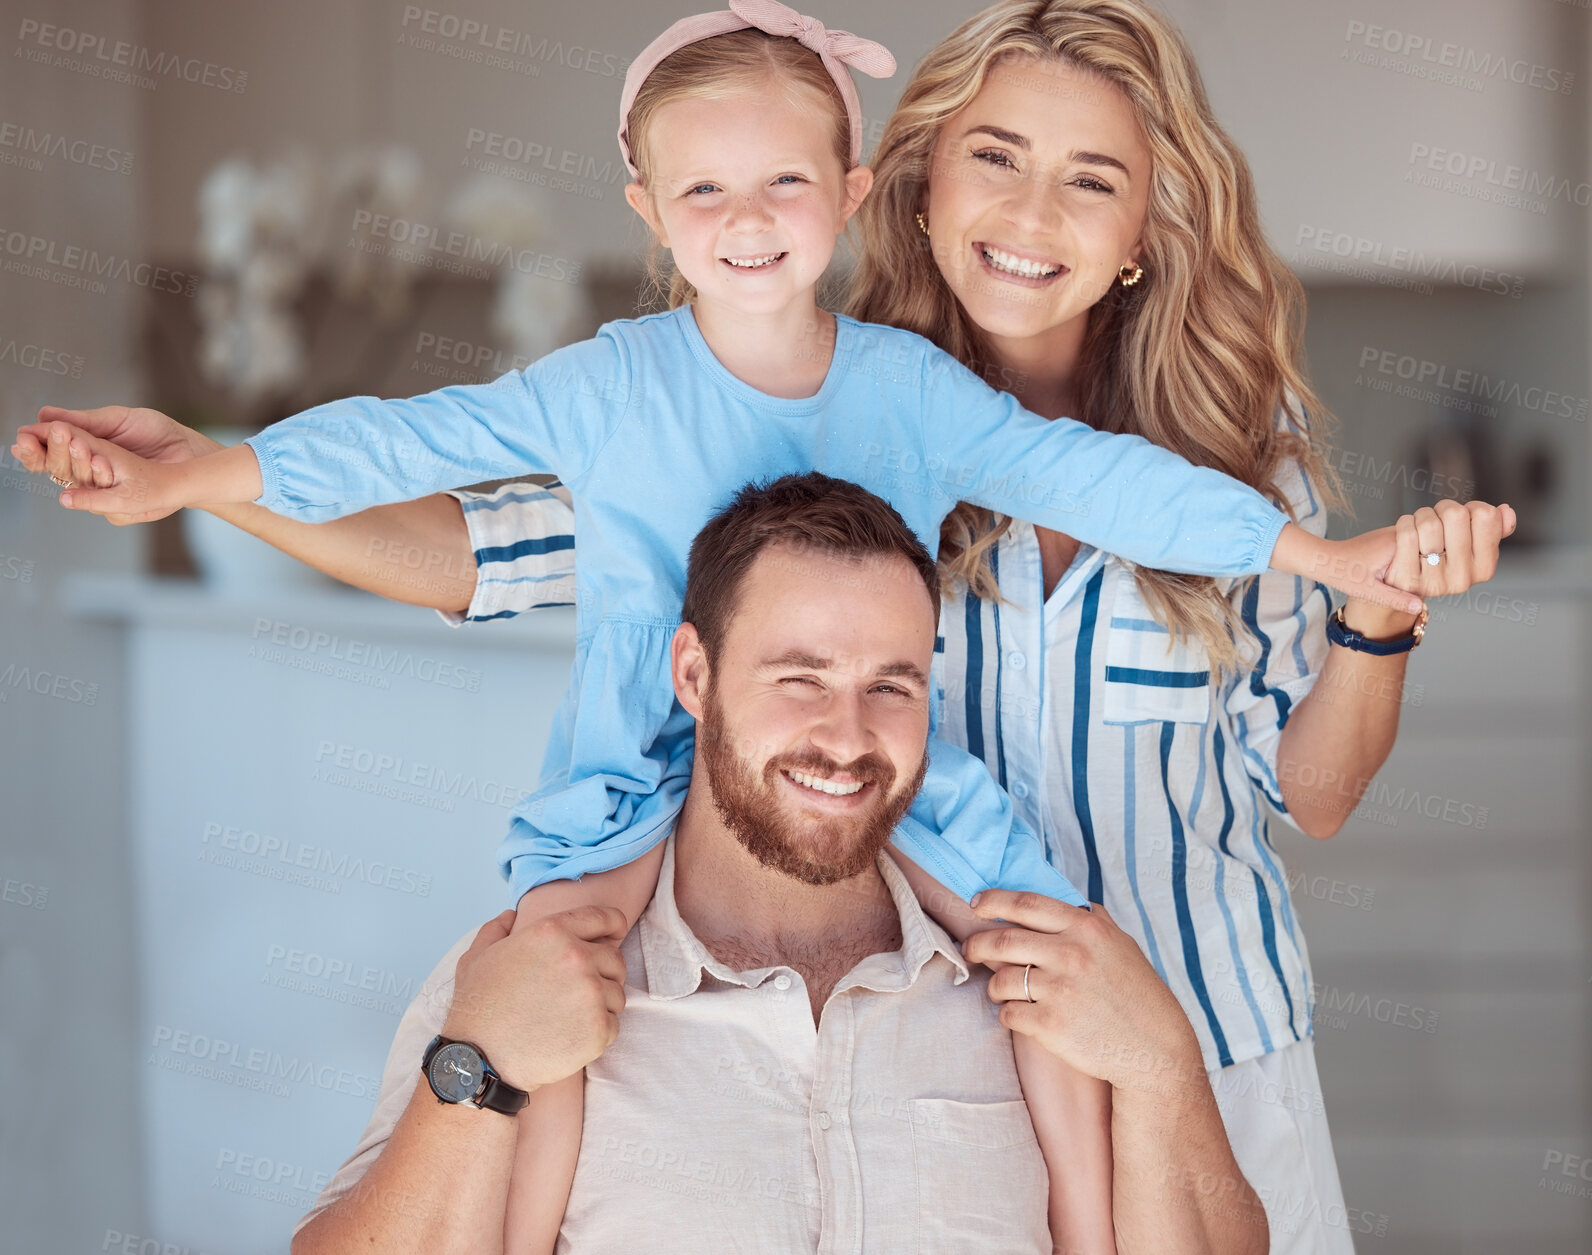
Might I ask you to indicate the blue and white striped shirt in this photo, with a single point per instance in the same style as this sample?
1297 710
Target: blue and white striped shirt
1144 777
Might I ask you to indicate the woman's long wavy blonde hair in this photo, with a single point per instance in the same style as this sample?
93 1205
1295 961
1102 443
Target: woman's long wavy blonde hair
1196 358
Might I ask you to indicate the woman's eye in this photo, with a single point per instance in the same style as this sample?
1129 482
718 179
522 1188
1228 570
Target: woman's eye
995 158
1093 184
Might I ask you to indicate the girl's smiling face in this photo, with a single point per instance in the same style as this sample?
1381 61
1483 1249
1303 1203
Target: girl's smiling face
1037 194
746 191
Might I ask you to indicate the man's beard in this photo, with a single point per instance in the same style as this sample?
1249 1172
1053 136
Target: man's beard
815 851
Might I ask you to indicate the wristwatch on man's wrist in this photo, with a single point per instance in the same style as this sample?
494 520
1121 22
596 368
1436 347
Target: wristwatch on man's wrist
1340 633
459 1073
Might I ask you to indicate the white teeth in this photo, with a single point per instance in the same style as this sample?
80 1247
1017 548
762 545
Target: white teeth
753 263
824 786
1015 265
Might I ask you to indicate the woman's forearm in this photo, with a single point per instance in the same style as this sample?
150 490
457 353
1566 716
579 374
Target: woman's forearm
1340 734
417 552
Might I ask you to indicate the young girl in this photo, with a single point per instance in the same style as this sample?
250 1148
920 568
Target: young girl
657 420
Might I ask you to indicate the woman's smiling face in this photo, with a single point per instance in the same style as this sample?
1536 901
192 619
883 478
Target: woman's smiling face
1037 196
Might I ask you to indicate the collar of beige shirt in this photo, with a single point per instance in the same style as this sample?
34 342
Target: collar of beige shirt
675 959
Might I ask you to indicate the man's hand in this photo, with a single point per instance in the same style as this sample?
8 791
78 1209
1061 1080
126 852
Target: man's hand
544 1002
1097 1003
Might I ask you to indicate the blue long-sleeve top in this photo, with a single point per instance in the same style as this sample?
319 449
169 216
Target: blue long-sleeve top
653 436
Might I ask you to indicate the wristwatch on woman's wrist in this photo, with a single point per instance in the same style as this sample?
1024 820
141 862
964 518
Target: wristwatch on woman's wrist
459 1073
1340 633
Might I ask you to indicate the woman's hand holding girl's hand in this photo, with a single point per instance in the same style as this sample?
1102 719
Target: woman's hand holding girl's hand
1384 574
53 446
116 482
1467 534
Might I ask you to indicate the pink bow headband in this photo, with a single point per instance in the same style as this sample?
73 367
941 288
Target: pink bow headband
837 49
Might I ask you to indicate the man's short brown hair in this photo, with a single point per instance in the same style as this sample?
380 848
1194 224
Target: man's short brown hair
810 513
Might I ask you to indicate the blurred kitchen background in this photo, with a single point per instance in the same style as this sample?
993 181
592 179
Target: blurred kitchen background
243 813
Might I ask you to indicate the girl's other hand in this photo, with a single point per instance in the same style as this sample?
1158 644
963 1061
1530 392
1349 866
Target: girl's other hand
48 447
106 478
1357 567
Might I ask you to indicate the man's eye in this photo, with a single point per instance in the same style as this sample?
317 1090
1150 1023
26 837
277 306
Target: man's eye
800 679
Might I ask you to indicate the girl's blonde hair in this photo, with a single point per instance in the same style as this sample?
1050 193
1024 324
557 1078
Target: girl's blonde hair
715 67
1198 357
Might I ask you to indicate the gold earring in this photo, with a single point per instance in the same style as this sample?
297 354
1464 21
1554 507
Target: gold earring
923 224
1130 276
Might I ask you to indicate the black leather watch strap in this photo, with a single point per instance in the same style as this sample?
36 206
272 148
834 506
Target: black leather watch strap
499 1095
494 1094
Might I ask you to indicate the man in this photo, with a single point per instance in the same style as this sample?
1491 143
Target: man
807 1060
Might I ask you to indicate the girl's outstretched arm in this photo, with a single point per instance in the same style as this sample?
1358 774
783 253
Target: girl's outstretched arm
336 459
126 488
1123 494
418 552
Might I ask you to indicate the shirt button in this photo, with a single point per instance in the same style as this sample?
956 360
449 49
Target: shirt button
1019 790
782 982
1016 661
823 1119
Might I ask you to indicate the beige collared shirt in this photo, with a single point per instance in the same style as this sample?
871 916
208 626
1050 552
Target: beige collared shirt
722 1119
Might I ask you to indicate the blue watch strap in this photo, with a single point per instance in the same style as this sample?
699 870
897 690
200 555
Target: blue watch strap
1339 633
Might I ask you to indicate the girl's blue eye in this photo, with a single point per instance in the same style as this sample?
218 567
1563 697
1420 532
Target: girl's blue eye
794 178
699 187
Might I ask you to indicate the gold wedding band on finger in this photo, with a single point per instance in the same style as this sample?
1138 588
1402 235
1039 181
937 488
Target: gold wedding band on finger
61 483
1026 994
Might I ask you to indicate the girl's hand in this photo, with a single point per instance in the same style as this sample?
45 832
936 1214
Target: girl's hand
1467 534
1357 567
106 478
52 446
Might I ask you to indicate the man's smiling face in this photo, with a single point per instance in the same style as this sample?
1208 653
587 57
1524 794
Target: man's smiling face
815 718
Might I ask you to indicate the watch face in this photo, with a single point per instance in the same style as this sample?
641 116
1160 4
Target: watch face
456 1072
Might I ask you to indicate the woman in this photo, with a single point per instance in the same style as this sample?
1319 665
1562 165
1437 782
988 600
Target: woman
1055 204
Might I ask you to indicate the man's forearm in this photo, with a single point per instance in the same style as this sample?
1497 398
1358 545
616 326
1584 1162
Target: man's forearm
1177 1190
440 1186
417 552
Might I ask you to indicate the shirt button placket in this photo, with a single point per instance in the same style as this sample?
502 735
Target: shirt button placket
834 1148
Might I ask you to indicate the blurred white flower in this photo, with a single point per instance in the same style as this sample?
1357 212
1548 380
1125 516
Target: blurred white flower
500 212
386 181
226 223
265 230
532 315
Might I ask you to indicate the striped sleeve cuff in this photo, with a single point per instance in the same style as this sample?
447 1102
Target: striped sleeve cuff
524 542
